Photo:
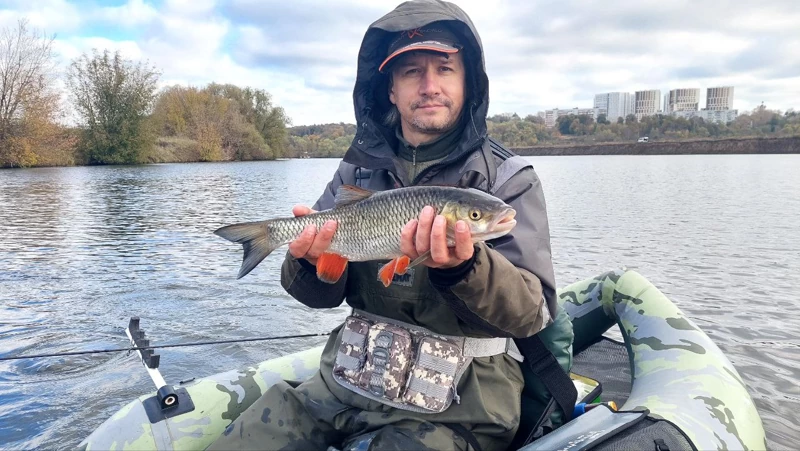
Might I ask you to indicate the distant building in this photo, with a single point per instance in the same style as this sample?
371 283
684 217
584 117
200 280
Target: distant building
617 104
718 116
719 98
601 101
647 103
551 116
687 99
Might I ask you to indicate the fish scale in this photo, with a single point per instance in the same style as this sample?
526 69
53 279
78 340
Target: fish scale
369 230
370 223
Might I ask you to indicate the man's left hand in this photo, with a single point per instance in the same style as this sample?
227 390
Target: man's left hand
429 232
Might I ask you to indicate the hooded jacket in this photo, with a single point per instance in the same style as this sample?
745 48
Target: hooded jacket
509 288
506 290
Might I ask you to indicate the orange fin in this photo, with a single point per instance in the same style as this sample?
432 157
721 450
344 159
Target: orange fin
330 267
386 273
397 265
402 265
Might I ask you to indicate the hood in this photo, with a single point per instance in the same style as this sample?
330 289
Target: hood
374 143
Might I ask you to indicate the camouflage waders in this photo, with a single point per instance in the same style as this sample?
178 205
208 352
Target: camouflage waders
321 413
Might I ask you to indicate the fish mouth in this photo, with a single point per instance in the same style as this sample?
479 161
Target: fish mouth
505 221
502 225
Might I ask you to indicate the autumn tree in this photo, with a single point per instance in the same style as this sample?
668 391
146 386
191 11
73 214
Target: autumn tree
29 103
113 97
256 107
214 123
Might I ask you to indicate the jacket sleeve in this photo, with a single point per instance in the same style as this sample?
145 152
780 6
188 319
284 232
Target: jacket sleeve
508 289
299 277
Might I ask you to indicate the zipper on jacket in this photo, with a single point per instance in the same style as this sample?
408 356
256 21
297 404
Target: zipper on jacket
414 165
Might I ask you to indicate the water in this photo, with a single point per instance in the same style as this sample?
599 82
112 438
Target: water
84 249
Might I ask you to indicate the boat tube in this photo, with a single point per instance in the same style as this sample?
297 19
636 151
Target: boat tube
667 376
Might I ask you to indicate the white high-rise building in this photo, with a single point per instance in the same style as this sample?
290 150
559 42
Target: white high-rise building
647 103
719 98
617 104
601 101
687 99
719 116
551 116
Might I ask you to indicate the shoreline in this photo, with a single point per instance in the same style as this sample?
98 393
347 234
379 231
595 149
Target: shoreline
727 146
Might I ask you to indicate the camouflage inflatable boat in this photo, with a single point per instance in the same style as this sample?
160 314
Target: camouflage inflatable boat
674 387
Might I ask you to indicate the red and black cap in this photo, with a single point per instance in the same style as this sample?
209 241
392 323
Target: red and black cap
434 37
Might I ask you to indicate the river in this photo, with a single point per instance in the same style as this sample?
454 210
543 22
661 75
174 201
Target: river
83 249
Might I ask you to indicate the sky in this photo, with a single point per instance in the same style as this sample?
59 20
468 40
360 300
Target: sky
540 54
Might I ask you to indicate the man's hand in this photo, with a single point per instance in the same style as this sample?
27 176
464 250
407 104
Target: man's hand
429 232
311 244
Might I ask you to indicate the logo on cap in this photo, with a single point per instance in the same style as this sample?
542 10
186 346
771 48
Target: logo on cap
437 39
414 32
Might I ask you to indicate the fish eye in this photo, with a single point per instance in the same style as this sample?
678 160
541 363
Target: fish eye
475 214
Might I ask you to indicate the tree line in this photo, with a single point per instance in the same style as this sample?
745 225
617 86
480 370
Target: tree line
760 122
332 140
115 113
119 116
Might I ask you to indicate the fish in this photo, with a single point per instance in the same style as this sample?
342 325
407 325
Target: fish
369 226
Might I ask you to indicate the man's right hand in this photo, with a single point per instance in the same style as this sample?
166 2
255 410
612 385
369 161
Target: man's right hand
311 244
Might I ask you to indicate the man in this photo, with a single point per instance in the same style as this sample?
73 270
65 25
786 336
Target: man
421 98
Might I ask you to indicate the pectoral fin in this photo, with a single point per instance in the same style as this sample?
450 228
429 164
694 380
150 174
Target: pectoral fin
386 273
397 265
402 265
330 267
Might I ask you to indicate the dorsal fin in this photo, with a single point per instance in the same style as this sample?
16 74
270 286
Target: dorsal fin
350 194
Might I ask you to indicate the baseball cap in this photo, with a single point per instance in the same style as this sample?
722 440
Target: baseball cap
434 37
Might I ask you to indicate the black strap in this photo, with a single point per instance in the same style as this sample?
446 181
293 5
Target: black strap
544 365
534 432
466 434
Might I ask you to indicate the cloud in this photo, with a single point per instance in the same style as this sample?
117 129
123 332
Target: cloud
50 16
71 48
131 14
539 54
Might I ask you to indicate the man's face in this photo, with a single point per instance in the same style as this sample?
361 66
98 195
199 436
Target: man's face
428 90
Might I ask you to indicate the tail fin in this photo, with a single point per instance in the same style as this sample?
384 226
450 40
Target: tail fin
255 239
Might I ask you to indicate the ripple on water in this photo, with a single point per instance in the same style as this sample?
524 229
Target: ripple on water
112 243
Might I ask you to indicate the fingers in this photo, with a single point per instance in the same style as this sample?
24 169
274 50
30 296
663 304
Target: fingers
301 210
464 247
429 232
407 234
440 254
423 237
323 240
311 244
300 246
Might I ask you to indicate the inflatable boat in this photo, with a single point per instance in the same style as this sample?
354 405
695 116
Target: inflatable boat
673 386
